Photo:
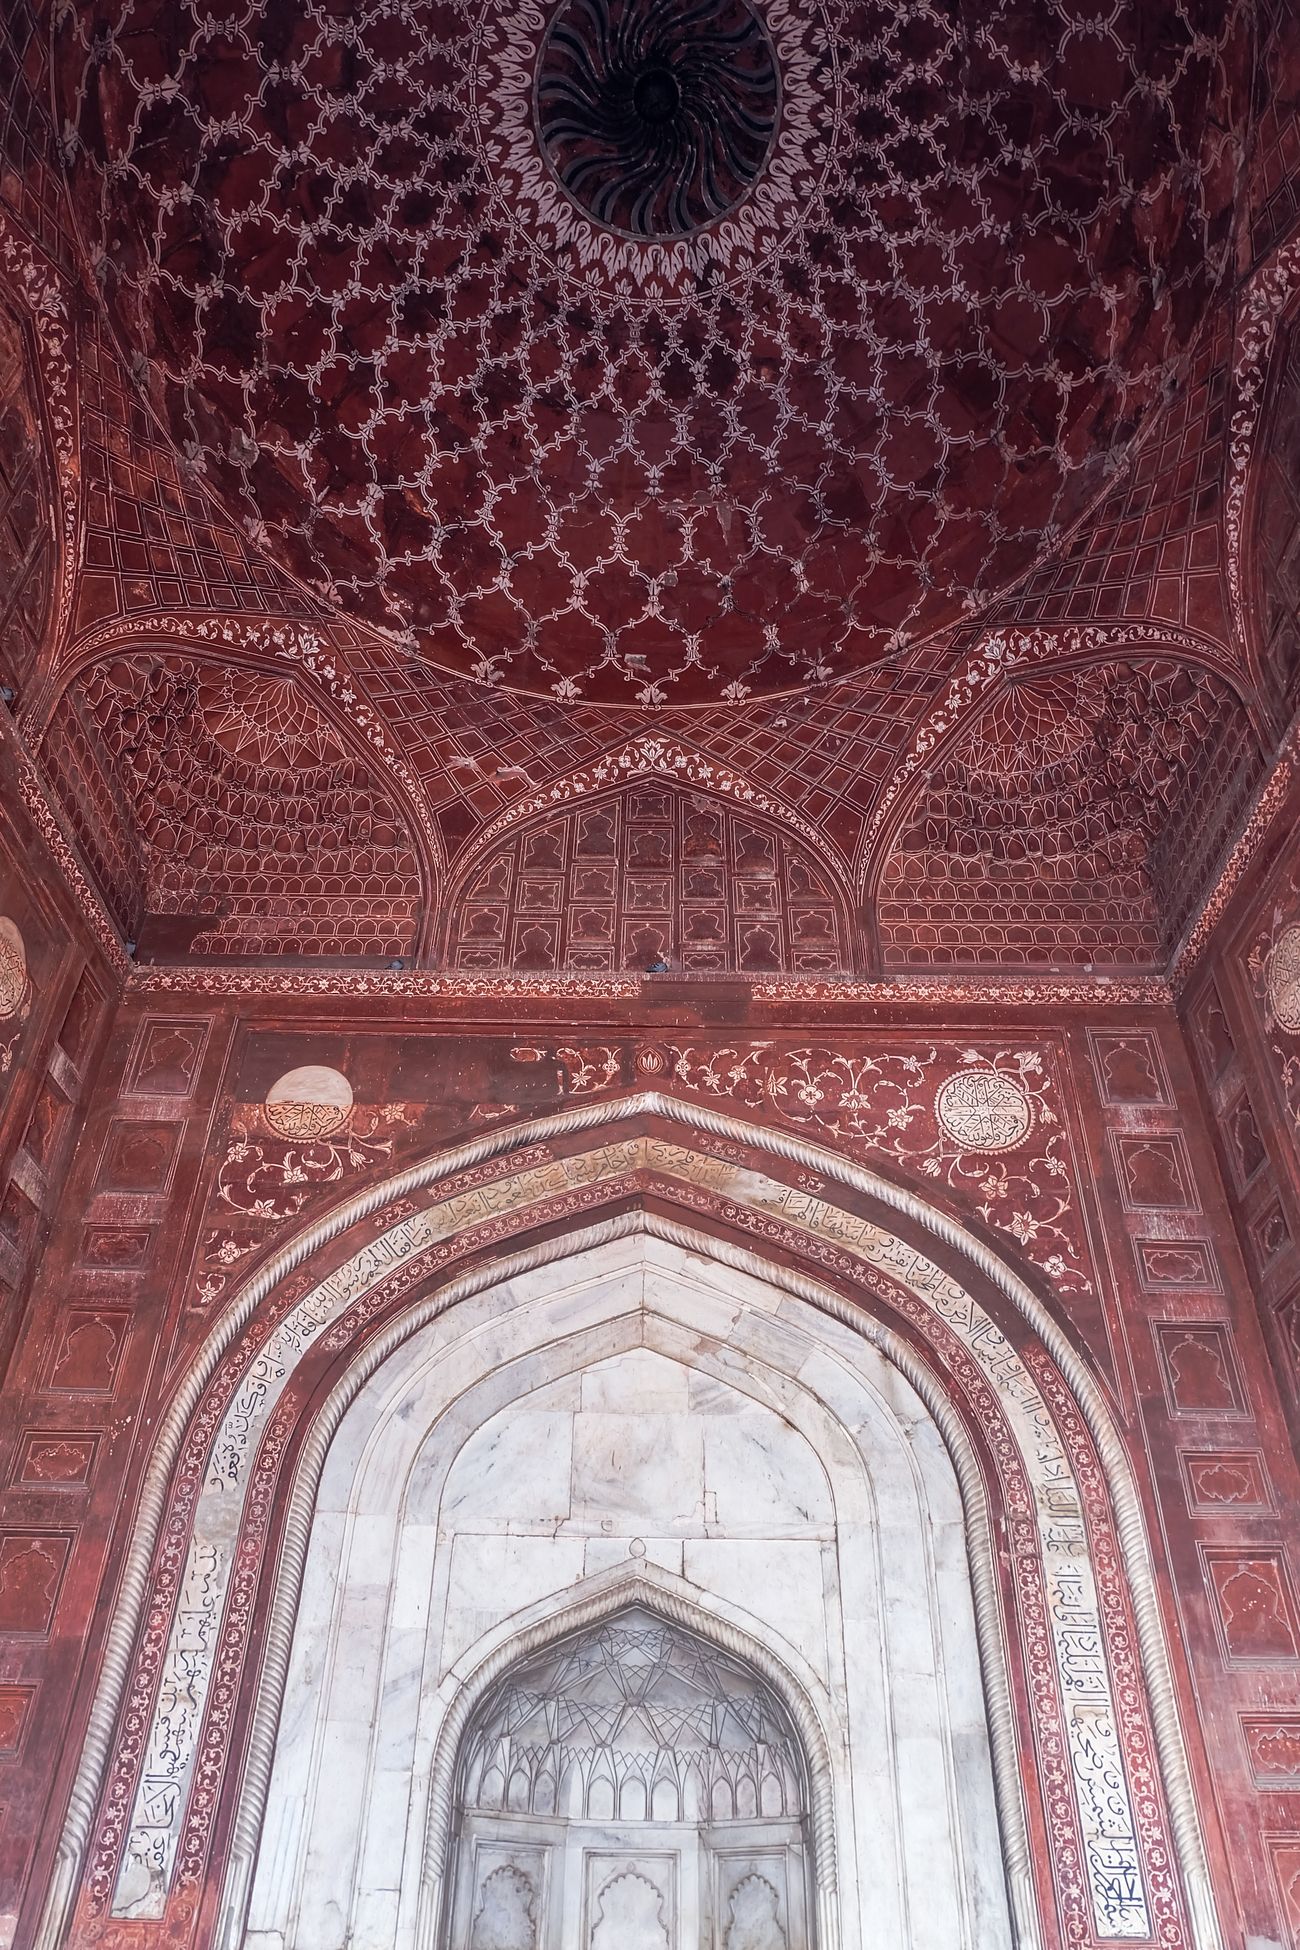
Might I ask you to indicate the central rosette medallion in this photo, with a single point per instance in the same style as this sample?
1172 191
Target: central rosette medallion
657 116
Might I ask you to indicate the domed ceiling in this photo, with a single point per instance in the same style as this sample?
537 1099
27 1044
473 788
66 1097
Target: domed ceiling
653 351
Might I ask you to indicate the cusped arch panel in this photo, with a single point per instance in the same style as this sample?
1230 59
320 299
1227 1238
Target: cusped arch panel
224 815
1074 821
650 872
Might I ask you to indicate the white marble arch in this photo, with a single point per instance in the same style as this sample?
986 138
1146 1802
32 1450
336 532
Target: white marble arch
635 1410
409 1235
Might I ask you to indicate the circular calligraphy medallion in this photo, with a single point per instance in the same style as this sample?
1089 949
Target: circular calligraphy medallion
1284 980
13 968
309 1103
657 118
982 1110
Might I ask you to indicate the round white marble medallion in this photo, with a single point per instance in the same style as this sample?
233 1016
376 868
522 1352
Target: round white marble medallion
1284 979
311 1102
13 968
983 1110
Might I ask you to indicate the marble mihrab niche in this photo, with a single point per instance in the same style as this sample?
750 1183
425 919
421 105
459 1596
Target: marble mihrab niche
657 119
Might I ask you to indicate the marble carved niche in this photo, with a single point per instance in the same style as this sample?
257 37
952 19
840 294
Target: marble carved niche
628 1470
635 1786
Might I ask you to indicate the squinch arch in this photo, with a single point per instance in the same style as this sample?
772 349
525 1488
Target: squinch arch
1030 1432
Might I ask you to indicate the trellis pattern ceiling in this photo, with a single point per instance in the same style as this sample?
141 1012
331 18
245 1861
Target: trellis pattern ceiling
611 394
857 399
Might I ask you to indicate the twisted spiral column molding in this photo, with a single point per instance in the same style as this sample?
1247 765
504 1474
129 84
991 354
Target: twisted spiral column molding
128 1611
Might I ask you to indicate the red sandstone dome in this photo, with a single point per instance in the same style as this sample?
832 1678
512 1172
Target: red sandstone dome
612 354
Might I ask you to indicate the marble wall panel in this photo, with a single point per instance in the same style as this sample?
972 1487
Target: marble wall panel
820 1548
1064 1214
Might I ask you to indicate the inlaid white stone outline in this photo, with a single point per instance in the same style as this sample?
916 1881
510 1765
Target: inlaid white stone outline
1284 980
1105 1810
131 1607
984 1110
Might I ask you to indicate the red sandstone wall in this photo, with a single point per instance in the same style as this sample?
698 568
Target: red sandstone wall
1243 1014
56 992
1113 1203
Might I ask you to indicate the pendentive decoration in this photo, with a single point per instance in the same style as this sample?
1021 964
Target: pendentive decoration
657 116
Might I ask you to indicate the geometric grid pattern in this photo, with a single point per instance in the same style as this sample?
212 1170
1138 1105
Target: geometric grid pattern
648 874
256 829
33 180
823 755
152 540
1274 206
1153 548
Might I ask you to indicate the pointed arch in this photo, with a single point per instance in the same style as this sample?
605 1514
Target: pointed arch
1007 656
1067 801
811 1241
378 864
590 1603
651 854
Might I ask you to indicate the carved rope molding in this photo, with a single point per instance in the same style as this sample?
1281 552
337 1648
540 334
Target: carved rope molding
132 1598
